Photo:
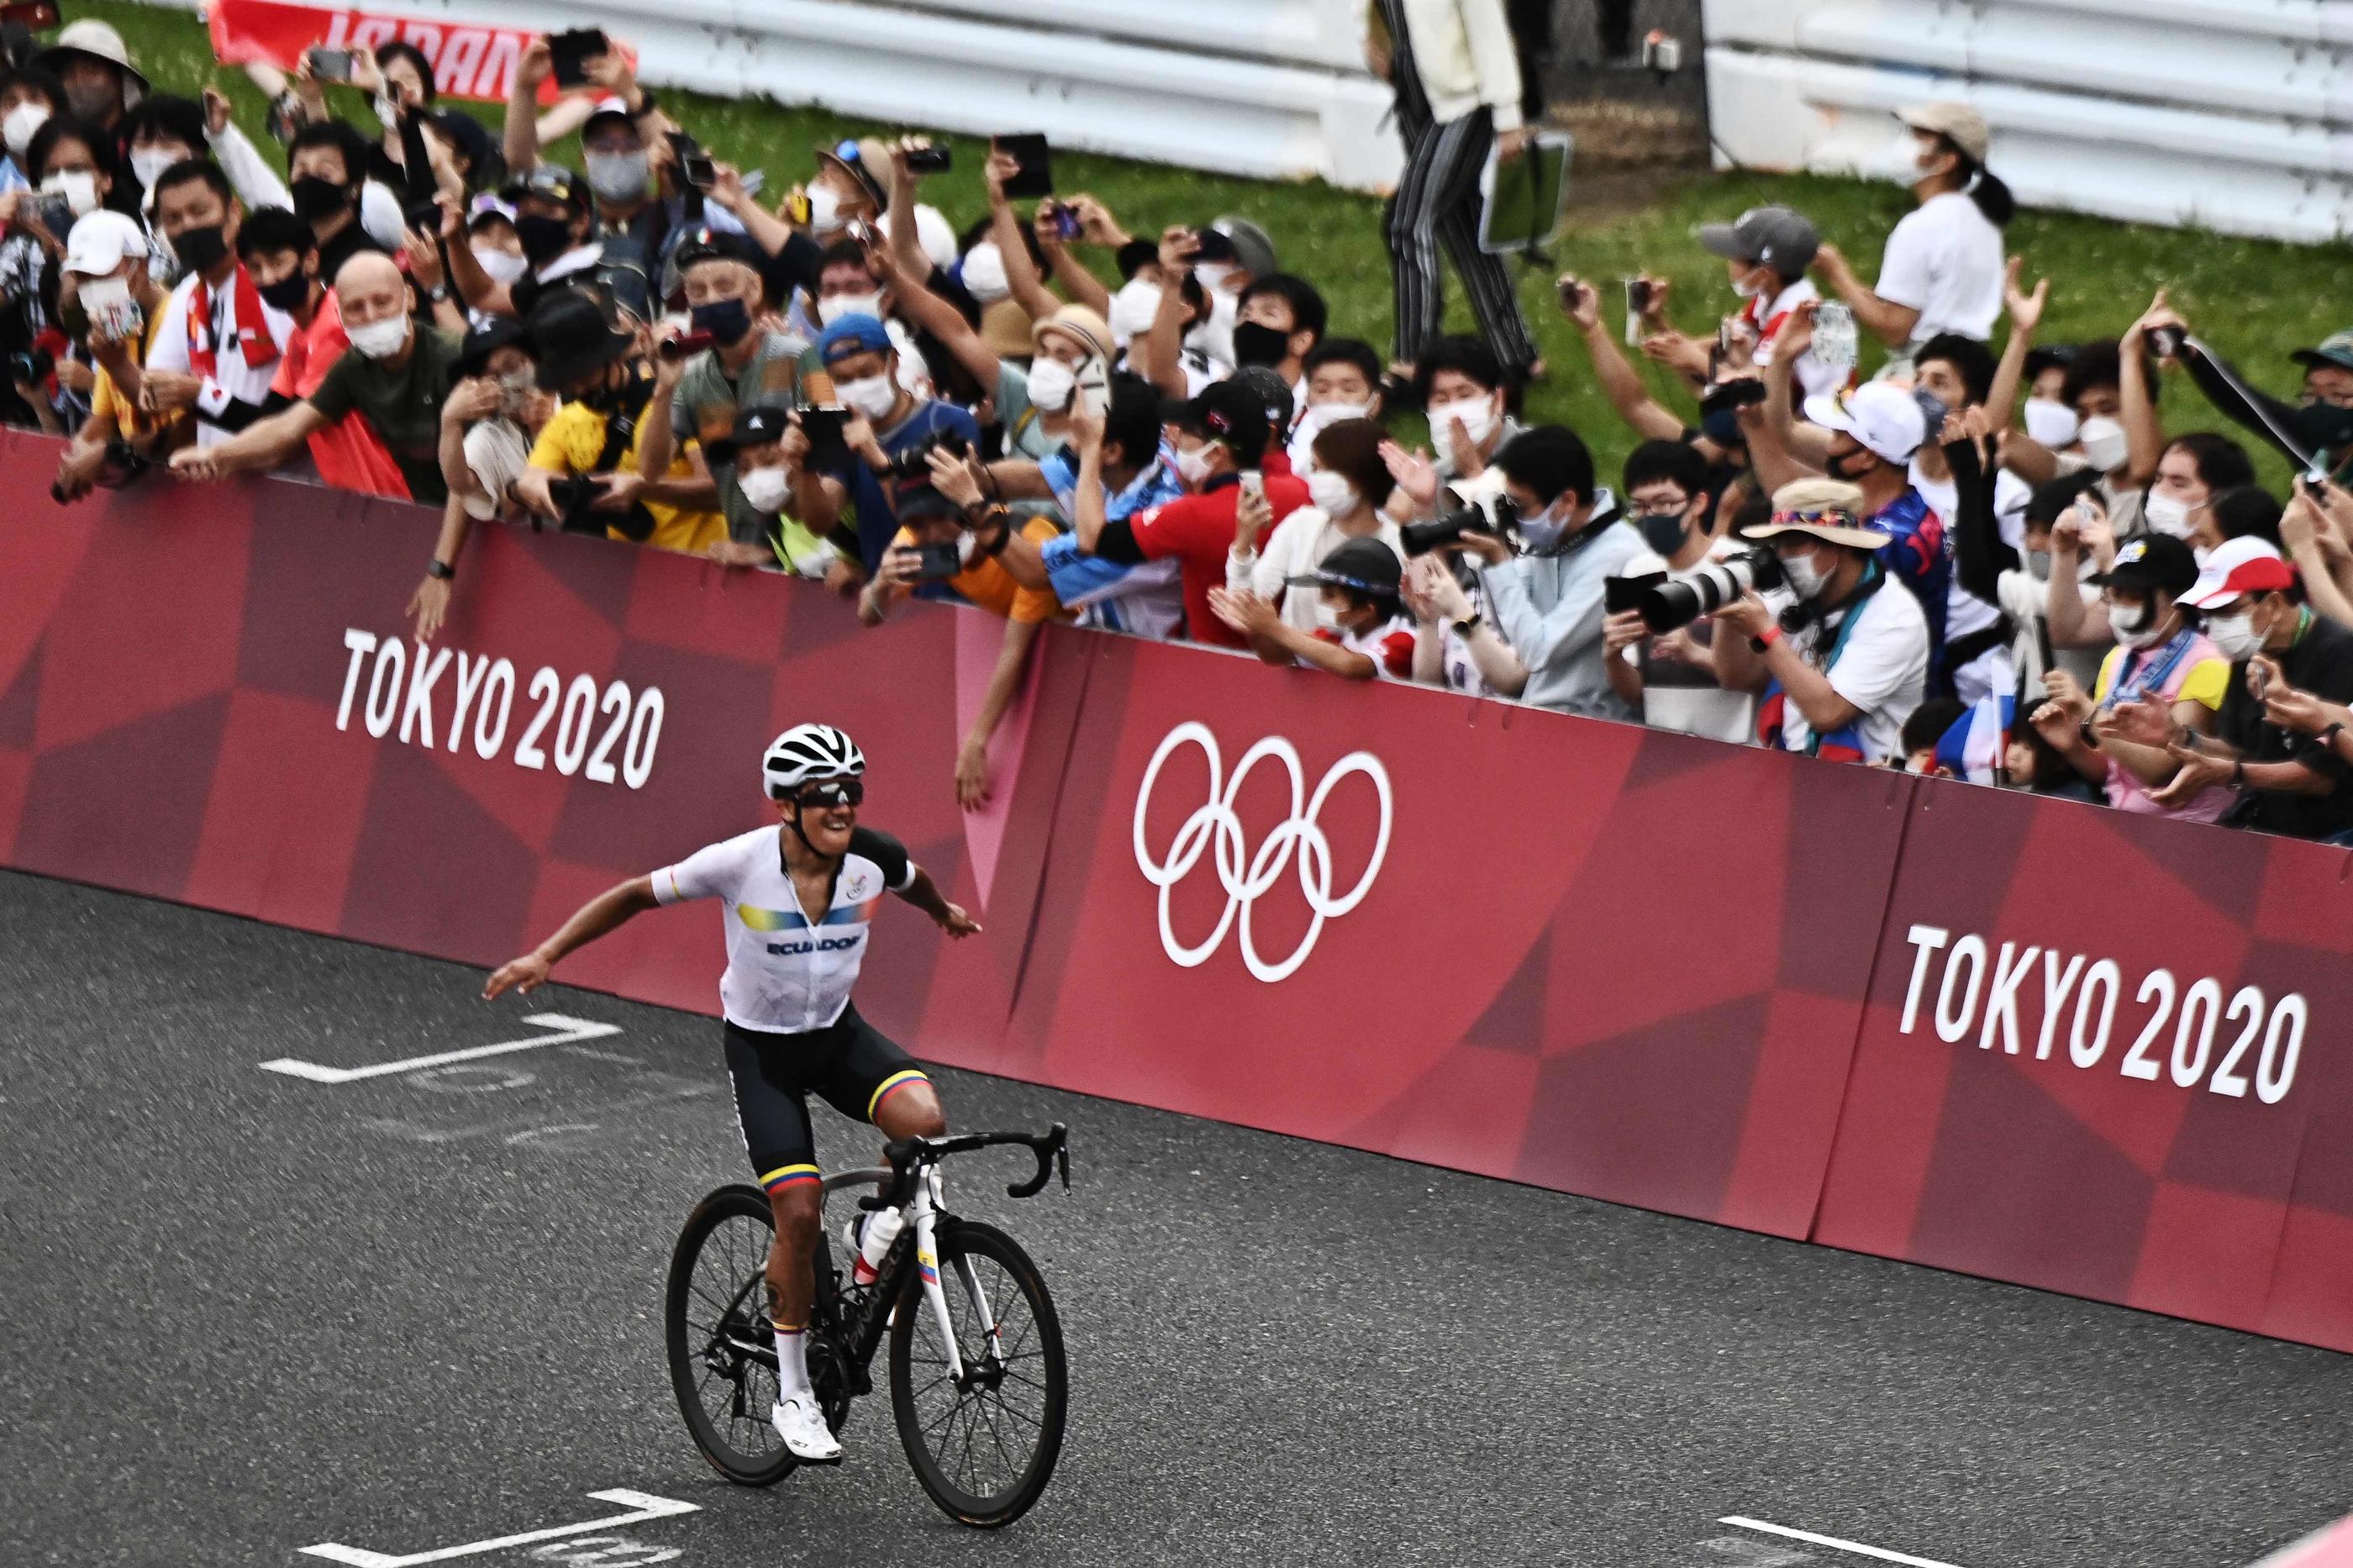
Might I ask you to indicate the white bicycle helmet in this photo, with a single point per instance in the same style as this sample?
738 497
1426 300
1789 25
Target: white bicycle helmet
808 754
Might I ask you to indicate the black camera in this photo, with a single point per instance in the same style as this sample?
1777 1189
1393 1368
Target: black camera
1683 597
31 368
929 160
913 466
1500 519
122 466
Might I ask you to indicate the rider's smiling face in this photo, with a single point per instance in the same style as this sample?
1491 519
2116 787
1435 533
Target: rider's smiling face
825 820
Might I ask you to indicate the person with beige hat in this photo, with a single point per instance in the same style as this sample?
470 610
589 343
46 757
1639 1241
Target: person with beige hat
91 62
1942 271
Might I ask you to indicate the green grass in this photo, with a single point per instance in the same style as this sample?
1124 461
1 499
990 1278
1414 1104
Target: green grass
2255 301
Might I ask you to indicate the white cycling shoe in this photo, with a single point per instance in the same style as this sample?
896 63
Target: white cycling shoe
801 1424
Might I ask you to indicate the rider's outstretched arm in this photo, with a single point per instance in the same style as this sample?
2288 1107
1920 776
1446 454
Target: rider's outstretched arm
924 894
607 912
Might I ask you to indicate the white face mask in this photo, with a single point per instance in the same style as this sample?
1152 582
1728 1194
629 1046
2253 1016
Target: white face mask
1051 385
79 189
2104 443
1332 413
1192 465
1332 495
2168 514
1748 288
502 266
104 294
2122 619
832 308
1213 274
515 390
2235 635
824 209
1478 416
764 489
148 164
1131 309
2052 423
1805 579
1899 160
16 129
872 395
618 176
380 340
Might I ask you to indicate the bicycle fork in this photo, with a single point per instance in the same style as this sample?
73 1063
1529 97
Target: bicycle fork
924 1211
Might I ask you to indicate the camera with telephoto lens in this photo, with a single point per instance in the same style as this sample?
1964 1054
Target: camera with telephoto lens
1500 519
1683 597
31 368
913 466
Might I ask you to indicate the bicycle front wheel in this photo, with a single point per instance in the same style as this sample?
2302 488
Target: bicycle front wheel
984 1444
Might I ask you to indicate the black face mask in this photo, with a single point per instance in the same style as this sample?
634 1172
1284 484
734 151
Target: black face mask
288 293
1258 344
1838 467
727 321
1663 532
200 250
2324 428
316 198
543 239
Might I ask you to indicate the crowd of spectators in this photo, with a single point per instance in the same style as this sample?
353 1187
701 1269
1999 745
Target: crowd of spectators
1976 553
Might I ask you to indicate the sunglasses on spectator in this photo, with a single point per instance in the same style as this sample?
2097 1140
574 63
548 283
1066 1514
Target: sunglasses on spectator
838 792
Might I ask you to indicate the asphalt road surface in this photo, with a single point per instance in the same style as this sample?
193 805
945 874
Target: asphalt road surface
247 1312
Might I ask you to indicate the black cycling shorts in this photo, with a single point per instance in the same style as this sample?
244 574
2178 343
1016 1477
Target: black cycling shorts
850 1063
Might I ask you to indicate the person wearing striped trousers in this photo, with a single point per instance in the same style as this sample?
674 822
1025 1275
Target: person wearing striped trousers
1458 95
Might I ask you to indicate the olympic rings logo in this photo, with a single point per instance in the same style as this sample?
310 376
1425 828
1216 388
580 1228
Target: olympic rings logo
1216 823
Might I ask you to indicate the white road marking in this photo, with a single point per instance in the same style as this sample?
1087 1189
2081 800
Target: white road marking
645 1506
1833 1542
567 1031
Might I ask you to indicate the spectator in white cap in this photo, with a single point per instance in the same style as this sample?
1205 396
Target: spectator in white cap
100 82
2252 607
1942 270
106 266
1841 670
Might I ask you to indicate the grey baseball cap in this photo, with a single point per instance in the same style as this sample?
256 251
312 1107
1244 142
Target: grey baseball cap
1253 249
1767 236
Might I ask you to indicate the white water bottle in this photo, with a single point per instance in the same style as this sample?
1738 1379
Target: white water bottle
874 1241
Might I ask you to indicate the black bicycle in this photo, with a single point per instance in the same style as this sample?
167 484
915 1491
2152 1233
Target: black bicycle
978 1386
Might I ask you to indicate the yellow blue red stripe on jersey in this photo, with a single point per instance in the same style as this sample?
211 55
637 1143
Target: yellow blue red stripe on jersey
789 1175
758 919
890 1086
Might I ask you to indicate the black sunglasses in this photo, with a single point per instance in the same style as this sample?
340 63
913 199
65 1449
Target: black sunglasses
833 792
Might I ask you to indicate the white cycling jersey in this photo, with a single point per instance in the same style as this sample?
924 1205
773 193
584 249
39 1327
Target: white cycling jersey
783 975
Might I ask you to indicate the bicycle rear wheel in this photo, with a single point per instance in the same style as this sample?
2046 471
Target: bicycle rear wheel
983 1447
722 1352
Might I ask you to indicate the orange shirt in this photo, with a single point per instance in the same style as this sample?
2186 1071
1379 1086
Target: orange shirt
986 584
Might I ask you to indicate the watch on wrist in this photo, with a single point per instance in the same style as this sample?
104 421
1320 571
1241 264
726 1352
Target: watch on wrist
441 570
439 294
2328 737
1469 624
2083 734
2239 773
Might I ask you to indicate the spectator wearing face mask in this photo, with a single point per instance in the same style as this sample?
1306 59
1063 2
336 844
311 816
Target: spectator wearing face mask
162 131
1220 434
2286 782
491 420
1668 680
2107 432
326 166
28 95
1282 320
593 363
1182 348
1460 384
1718 436
1341 381
556 226
849 285
767 453
2316 428
2192 471
2161 660
1545 598
94 67
396 378
1765 253
282 255
1842 684
1362 632
853 187
888 422
107 263
1347 485
1943 266
1957 374
492 244
218 351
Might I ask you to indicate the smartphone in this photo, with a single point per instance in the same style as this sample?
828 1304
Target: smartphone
1737 393
331 65
424 216
1035 177
2259 677
930 161
939 561
795 209
1063 222
822 423
1638 302
1836 340
1571 291
1254 484
572 51
35 16
1095 387
54 213
698 170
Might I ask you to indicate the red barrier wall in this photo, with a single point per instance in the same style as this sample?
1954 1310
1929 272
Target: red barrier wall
1741 986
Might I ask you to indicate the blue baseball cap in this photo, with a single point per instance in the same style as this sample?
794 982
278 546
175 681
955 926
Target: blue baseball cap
853 334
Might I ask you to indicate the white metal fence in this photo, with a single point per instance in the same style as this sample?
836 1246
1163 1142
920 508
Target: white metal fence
2235 115
1274 88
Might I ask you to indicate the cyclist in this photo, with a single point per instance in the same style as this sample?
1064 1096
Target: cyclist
798 901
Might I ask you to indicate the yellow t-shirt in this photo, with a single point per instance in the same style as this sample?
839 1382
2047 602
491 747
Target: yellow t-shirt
2208 680
105 397
575 439
986 584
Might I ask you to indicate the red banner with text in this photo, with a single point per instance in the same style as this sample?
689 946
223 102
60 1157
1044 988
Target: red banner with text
2027 1039
471 60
